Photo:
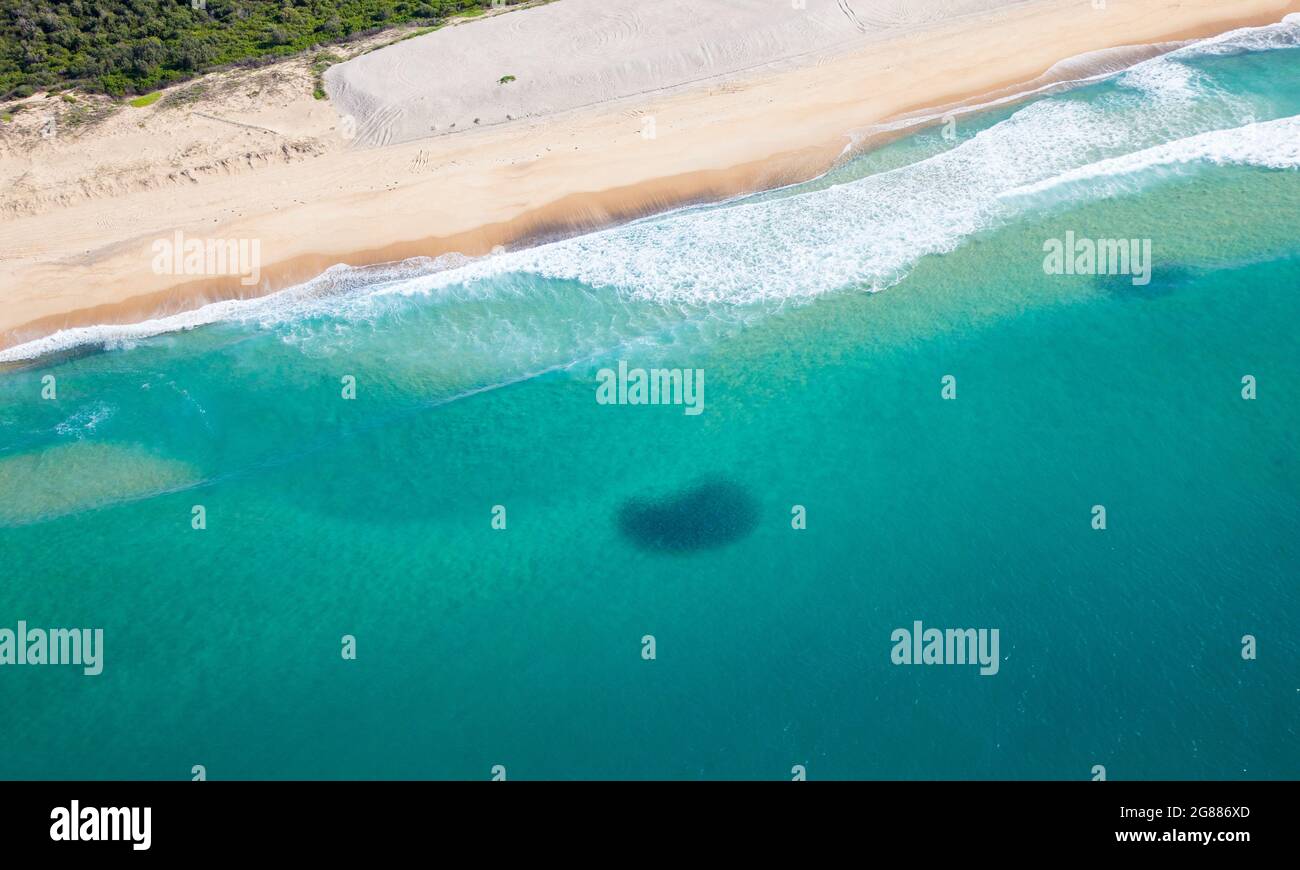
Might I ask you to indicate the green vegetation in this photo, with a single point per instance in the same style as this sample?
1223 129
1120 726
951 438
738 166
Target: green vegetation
147 100
319 64
137 46
505 80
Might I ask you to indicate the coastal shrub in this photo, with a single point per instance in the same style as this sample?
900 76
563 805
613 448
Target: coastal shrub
319 64
138 46
185 96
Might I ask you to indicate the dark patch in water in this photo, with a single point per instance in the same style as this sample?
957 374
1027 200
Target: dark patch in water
707 515
1164 281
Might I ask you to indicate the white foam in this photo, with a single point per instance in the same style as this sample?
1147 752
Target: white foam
85 420
1267 37
1073 72
1273 144
866 233
325 294
1164 77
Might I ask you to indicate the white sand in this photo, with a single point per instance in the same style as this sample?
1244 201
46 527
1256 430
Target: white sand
578 52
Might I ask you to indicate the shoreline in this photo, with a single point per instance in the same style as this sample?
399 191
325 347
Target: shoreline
535 207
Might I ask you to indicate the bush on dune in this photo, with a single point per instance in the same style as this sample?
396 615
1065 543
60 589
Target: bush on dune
136 46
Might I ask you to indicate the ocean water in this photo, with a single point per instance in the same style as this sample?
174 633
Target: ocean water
523 647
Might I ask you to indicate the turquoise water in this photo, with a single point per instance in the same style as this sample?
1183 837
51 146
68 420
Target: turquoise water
522 647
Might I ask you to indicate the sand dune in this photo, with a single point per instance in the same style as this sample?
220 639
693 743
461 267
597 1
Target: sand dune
579 52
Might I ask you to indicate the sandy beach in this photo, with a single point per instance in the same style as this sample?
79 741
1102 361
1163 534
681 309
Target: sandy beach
652 108
878 391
